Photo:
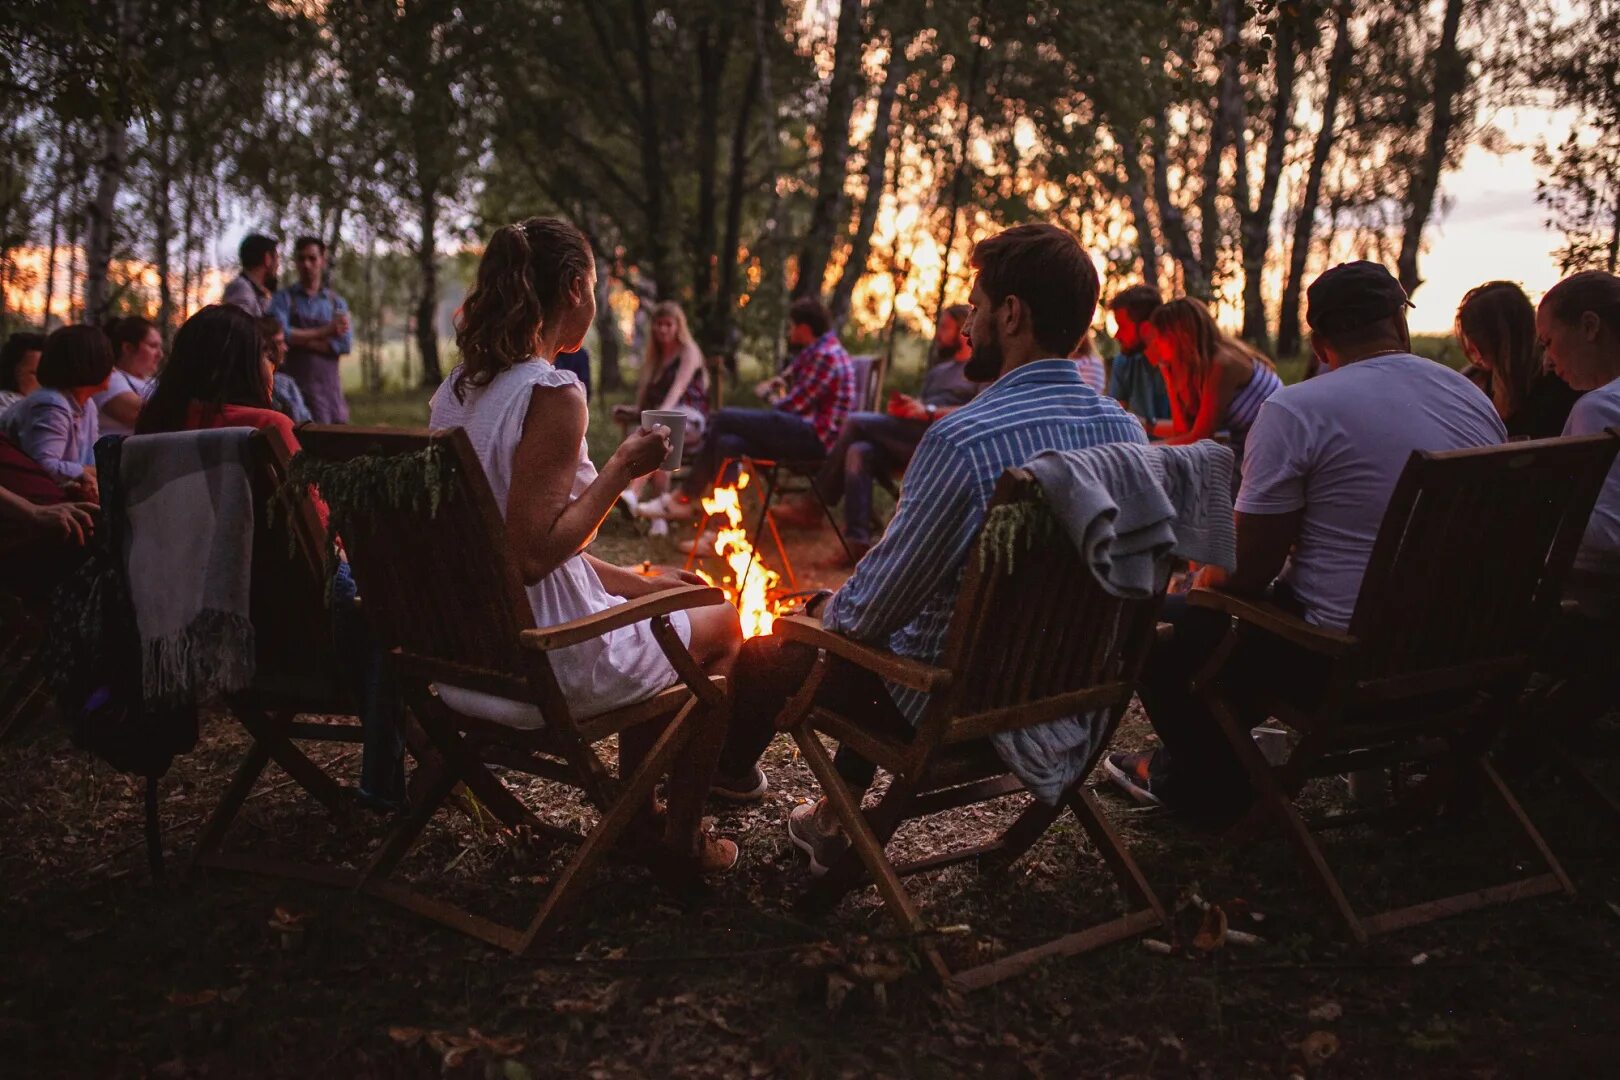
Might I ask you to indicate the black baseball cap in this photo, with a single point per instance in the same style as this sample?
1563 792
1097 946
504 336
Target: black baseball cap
1351 295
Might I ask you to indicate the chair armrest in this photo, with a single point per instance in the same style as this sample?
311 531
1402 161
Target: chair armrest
640 609
1273 619
913 673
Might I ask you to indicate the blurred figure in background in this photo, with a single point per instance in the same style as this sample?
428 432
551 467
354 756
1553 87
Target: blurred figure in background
1133 381
137 352
19 360
318 337
1496 327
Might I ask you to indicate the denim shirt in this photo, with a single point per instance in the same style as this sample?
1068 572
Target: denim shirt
298 310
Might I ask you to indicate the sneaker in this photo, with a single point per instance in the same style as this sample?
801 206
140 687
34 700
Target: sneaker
813 832
667 507
1129 772
658 529
627 505
750 790
704 543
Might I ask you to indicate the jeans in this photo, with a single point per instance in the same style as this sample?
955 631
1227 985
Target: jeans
871 445
371 680
768 672
1196 770
761 433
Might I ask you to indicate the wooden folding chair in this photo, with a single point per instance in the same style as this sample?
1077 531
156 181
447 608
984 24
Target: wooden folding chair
297 669
1463 581
1033 638
443 594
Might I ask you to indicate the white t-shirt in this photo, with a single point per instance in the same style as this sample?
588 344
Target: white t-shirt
121 382
1335 445
1600 549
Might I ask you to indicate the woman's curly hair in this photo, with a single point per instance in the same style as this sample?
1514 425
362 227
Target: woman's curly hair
522 279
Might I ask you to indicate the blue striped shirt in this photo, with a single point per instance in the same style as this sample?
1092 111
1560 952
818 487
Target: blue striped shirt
903 592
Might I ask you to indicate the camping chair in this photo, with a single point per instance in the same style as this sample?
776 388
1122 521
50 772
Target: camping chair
787 477
1033 638
444 596
1463 581
297 671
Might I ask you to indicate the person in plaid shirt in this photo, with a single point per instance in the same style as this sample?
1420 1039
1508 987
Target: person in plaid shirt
809 402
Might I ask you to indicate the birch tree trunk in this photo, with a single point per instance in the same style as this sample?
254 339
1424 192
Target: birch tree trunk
427 305
1450 76
1288 324
1257 220
827 212
877 157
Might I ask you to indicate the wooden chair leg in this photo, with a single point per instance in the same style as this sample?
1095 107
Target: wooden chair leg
311 777
213 832
1493 782
431 795
1020 836
632 798
1281 807
865 844
1113 850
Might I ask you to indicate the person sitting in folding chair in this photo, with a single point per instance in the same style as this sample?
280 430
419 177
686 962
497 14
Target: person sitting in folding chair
877 447
534 297
1321 463
1032 300
808 406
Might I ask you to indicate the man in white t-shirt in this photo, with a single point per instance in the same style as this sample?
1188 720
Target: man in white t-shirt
1320 465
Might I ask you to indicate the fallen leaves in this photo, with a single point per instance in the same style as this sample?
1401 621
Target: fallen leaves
454 1049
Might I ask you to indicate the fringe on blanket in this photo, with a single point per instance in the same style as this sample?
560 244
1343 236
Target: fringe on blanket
212 656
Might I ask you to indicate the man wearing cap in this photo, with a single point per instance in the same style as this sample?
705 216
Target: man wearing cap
1321 463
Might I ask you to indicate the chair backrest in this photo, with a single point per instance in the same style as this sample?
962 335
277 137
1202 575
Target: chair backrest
433 574
1470 562
292 626
1034 637
866 383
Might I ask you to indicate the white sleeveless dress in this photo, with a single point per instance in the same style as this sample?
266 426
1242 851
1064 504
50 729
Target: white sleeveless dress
617 669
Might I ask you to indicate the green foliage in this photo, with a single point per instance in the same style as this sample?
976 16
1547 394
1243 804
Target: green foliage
418 482
1013 527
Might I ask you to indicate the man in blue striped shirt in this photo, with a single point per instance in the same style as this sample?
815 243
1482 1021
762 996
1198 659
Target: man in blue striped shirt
1033 299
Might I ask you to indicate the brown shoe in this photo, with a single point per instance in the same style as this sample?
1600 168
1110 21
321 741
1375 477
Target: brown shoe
799 512
845 560
719 855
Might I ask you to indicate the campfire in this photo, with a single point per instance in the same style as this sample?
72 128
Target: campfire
751 586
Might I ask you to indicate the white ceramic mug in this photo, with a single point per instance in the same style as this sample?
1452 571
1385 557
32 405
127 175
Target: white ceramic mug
673 419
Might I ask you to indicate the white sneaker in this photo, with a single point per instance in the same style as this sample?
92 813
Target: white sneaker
704 543
659 528
669 507
628 504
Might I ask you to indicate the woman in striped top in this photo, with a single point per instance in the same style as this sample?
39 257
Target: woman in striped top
1217 383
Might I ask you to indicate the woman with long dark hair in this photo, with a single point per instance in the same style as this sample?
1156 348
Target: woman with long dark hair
216 376
137 352
1496 326
1216 382
533 297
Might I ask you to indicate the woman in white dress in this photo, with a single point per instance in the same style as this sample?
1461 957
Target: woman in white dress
137 352
534 297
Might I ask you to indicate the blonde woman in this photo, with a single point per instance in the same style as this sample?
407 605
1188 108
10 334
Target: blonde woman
672 377
1217 383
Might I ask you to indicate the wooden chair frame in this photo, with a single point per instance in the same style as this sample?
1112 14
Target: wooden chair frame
1463 580
21 667
451 606
297 674
1026 644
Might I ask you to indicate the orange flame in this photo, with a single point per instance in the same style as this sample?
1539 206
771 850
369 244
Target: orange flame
750 584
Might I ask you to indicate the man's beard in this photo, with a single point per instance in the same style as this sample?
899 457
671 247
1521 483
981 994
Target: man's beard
985 363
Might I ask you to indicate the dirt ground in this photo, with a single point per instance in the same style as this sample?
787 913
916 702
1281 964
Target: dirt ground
106 973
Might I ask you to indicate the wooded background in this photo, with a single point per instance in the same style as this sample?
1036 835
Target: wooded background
732 154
